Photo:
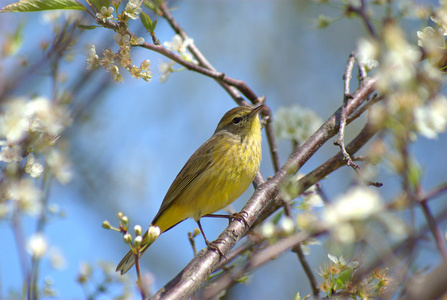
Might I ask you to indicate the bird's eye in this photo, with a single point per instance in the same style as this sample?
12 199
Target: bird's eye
237 120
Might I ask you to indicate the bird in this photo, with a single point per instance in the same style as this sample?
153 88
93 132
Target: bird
218 172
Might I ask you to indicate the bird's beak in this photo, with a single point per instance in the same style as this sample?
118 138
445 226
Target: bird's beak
257 109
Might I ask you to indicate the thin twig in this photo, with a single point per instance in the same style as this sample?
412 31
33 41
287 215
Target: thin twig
433 193
435 230
361 11
374 99
322 194
347 95
272 143
192 242
343 120
404 246
362 71
297 249
139 280
20 241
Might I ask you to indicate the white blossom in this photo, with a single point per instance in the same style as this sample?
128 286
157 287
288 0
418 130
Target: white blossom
26 195
268 230
14 123
357 204
105 14
46 117
431 119
181 47
115 71
92 58
398 62
33 167
11 153
368 52
296 123
59 166
37 245
133 8
165 69
57 259
287 225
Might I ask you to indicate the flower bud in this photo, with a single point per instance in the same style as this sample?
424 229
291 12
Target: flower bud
287 225
153 233
127 238
268 230
137 241
196 232
106 225
137 229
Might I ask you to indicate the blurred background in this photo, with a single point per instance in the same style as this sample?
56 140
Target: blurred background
130 140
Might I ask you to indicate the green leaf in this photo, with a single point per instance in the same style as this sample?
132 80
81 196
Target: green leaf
14 41
154 24
158 2
149 5
277 217
88 27
146 20
415 173
100 3
41 5
345 276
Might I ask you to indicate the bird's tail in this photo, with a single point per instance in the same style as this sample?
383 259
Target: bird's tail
129 259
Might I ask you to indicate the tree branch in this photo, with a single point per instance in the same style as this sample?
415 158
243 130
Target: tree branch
197 271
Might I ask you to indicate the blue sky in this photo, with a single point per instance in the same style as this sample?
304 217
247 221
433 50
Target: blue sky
138 136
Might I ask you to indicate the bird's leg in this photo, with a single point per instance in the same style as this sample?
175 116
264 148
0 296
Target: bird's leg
240 216
203 233
212 245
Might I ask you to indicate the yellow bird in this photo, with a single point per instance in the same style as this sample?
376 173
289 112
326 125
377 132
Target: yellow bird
213 177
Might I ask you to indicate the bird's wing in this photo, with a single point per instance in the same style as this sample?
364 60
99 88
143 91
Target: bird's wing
196 164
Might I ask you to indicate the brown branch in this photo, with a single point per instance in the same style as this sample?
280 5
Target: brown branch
436 231
347 76
184 285
406 246
428 286
324 169
258 259
433 193
361 11
341 132
299 252
248 246
272 143
313 282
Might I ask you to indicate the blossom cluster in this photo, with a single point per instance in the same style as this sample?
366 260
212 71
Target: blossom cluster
180 47
411 85
140 239
339 277
29 131
296 123
111 61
